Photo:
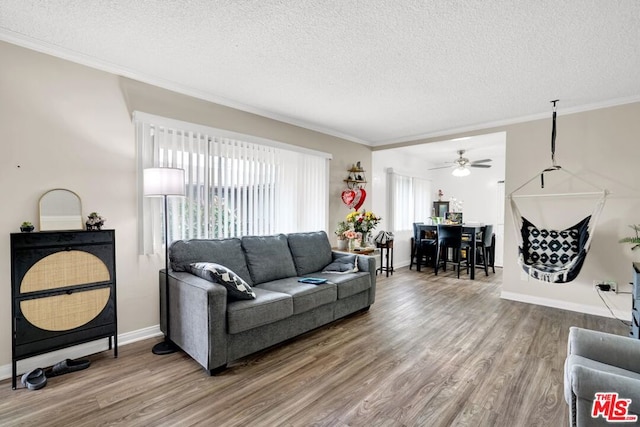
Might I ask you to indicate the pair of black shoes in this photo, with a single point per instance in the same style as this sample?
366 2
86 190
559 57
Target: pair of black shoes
36 379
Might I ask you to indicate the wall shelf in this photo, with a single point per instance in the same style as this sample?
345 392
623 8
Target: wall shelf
356 178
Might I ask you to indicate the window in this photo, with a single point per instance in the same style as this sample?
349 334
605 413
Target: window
237 185
410 200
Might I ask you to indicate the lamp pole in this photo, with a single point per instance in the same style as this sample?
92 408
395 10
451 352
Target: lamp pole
164 182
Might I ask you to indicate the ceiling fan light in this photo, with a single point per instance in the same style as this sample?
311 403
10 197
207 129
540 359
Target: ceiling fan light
460 171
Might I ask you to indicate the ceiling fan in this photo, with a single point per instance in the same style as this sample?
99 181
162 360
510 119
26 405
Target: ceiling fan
461 165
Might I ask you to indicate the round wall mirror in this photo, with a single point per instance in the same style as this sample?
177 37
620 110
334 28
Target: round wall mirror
60 210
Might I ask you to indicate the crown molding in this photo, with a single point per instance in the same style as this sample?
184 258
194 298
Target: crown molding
516 120
92 62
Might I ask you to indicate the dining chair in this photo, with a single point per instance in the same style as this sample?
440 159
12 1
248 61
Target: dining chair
423 248
484 248
449 237
415 242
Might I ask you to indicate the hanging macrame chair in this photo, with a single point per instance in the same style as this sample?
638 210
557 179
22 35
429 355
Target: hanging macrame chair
554 256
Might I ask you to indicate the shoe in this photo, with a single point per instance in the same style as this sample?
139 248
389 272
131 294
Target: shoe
34 380
66 366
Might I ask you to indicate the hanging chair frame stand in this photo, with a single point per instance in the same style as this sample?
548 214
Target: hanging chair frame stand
568 271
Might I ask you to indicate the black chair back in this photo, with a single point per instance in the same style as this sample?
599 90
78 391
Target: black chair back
416 231
486 236
450 235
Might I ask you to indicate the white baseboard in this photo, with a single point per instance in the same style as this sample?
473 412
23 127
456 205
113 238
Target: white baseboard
565 305
78 351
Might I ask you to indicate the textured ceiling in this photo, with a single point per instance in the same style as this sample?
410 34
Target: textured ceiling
370 71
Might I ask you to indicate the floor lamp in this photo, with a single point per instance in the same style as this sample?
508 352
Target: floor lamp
163 182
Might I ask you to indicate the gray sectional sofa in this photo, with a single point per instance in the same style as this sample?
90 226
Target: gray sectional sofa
214 327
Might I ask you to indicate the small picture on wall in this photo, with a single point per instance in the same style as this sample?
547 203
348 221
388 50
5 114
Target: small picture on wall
454 217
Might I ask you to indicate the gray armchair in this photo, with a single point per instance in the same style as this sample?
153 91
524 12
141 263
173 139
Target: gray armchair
598 362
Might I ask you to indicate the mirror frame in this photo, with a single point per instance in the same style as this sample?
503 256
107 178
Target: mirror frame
65 224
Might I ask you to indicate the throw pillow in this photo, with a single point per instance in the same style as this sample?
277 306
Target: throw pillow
236 287
553 248
343 264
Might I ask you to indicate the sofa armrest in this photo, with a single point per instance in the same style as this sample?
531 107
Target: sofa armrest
586 382
198 318
368 263
615 350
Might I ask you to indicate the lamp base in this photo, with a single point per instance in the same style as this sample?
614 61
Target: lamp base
164 347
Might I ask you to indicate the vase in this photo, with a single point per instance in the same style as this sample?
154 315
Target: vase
343 244
352 244
363 240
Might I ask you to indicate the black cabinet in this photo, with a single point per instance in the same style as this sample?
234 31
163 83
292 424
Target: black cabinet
63 290
440 209
635 302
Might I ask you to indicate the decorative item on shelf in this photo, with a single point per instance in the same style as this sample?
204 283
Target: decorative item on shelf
440 195
95 222
363 223
635 241
356 177
26 227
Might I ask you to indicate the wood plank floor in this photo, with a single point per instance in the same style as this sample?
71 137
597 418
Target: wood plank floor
432 351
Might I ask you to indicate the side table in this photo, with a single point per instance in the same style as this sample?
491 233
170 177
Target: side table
386 257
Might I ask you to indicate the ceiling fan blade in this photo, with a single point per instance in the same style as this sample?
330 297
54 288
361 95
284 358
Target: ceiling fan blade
479 166
439 167
482 161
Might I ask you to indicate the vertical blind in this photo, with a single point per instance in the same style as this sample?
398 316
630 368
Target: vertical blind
233 187
409 200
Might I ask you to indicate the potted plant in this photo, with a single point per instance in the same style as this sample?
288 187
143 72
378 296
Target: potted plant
635 241
341 229
26 227
95 221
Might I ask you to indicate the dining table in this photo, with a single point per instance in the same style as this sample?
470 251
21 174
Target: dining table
470 230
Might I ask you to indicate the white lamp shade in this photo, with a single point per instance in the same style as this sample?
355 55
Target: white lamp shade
460 171
163 182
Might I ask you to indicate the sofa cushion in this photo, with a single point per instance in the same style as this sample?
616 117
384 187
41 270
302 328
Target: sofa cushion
305 296
268 257
227 252
268 307
311 251
349 283
236 287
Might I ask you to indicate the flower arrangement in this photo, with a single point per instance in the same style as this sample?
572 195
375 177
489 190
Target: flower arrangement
635 241
95 221
350 234
362 222
455 205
